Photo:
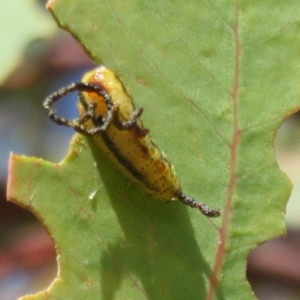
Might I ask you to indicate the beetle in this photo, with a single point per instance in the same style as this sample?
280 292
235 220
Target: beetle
108 114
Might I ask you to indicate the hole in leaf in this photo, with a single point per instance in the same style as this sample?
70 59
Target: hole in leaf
27 253
273 268
287 149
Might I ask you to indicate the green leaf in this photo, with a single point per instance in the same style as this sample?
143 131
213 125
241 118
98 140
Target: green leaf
112 240
215 79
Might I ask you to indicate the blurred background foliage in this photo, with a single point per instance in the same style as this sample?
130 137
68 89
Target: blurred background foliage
36 59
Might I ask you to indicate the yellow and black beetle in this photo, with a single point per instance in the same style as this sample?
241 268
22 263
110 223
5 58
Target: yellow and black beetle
108 114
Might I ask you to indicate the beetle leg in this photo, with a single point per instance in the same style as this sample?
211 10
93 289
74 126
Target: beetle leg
78 124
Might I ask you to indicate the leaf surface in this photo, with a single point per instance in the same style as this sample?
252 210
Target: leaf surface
216 80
